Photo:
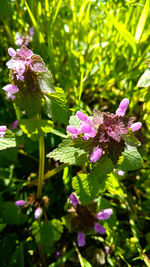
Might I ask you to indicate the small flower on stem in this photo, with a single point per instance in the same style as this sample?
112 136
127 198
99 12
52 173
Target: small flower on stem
38 213
85 220
120 172
20 203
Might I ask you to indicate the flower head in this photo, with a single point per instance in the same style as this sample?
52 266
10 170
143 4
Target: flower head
85 218
24 39
105 130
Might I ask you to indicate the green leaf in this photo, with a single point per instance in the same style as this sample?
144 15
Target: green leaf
34 128
12 214
144 80
67 153
30 103
131 159
88 186
7 143
120 27
83 262
46 82
142 21
17 258
2 226
63 259
47 233
50 232
56 106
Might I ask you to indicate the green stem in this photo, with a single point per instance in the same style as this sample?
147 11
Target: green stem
41 166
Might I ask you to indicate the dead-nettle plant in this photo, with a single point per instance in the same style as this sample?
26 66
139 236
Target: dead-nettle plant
104 142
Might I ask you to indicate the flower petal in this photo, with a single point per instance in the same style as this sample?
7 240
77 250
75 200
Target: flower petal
73 200
99 229
81 239
104 214
136 126
97 153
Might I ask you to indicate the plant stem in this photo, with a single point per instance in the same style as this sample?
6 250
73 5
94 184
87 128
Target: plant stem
41 166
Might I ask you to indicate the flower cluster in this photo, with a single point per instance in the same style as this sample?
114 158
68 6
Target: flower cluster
38 204
85 219
24 66
24 39
106 129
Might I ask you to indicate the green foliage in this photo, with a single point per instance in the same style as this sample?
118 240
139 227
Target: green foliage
46 83
144 80
34 128
67 153
17 258
7 142
30 103
89 186
12 215
47 233
131 159
56 106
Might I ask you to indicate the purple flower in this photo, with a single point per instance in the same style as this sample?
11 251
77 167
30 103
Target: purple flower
99 229
96 154
14 125
104 214
11 89
136 126
73 200
23 60
38 213
20 203
73 130
81 239
122 107
24 39
85 219
120 172
105 130
31 31
107 249
11 52
2 130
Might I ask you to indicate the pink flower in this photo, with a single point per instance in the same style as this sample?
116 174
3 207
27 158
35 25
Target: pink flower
96 154
20 203
38 213
122 107
23 60
73 200
11 89
2 130
104 214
